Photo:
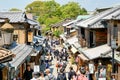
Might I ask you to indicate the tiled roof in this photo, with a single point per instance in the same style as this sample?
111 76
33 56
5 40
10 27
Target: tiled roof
77 20
115 15
72 23
72 40
58 24
97 52
32 22
13 16
5 54
95 21
18 17
21 51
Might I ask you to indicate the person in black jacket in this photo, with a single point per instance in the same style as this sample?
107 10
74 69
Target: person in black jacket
61 75
28 73
71 73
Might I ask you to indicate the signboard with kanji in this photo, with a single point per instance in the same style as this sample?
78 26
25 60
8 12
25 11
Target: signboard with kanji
30 36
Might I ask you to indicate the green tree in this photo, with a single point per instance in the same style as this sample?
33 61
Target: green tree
36 8
57 33
15 9
71 10
50 12
83 11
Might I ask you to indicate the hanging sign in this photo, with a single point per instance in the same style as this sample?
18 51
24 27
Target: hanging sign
30 36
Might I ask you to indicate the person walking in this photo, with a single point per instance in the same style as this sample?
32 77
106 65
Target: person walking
42 67
82 75
28 73
61 75
41 76
47 60
49 76
56 53
71 73
58 65
35 75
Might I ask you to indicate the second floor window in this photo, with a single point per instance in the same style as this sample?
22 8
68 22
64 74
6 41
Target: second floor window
83 32
115 32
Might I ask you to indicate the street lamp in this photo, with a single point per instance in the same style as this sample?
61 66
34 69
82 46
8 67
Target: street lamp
113 46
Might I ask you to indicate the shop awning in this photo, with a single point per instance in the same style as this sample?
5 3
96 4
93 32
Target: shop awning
22 51
72 40
83 57
36 50
77 45
97 52
74 50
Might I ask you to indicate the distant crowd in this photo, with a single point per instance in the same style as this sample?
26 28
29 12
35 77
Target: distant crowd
61 56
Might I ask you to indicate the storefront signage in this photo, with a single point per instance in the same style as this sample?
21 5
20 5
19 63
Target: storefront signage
91 68
30 36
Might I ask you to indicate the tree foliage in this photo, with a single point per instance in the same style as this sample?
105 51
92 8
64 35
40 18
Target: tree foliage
70 10
15 9
50 12
57 33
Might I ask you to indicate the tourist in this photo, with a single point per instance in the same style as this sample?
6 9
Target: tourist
113 77
28 73
71 73
41 76
35 75
61 75
82 75
58 65
49 76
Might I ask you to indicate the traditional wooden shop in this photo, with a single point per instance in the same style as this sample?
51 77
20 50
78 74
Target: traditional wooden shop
5 57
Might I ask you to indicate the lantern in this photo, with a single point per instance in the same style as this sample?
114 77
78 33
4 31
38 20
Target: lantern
7 33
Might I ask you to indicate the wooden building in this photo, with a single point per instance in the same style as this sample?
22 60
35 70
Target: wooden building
92 32
113 21
95 35
22 25
24 31
59 25
70 28
5 57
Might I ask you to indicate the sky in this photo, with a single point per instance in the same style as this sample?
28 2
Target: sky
90 5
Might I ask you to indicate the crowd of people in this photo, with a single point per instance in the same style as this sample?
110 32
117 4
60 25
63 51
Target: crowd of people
61 56
47 74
